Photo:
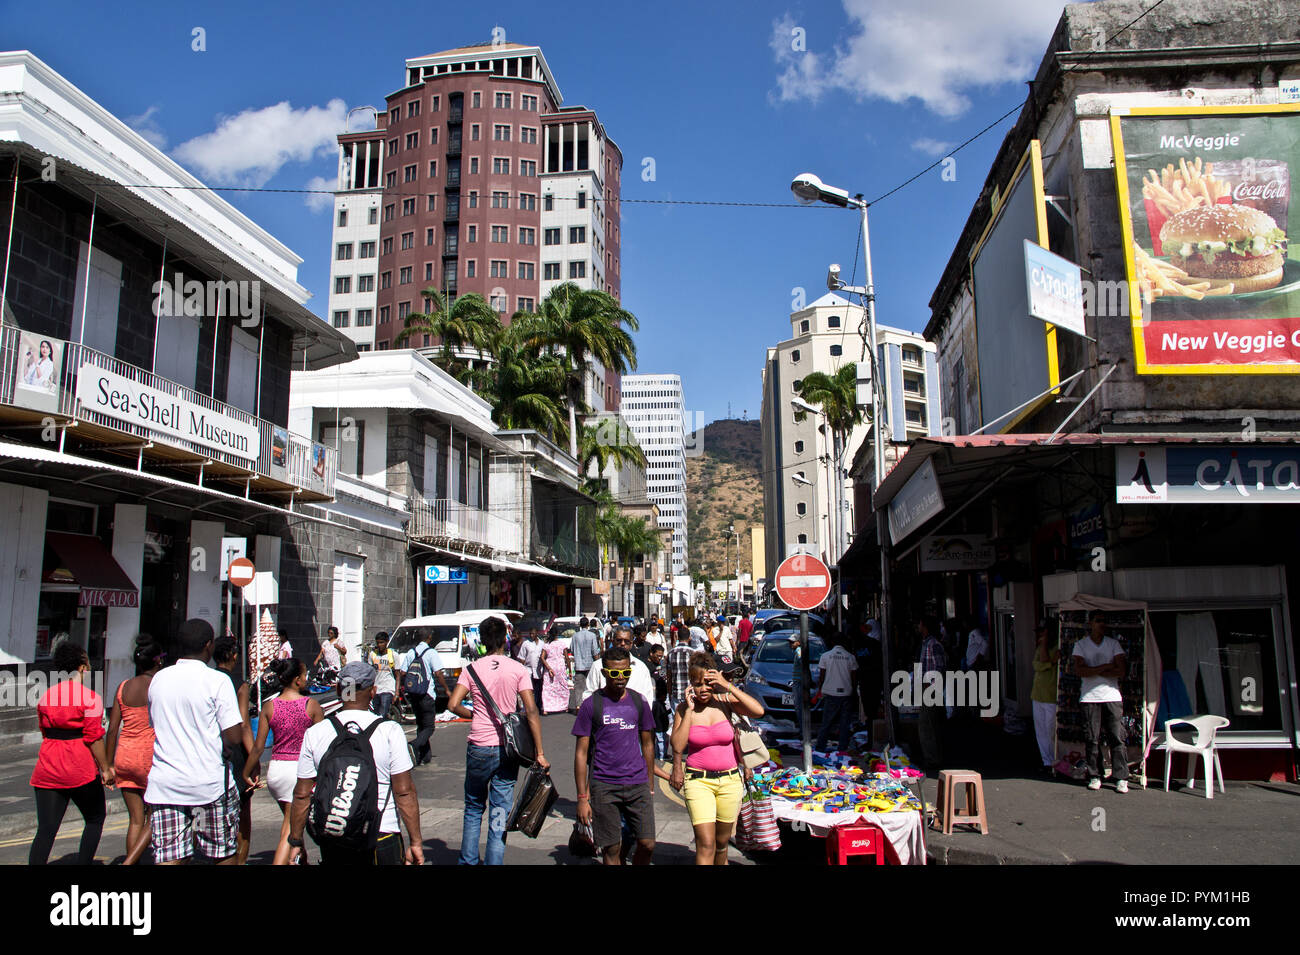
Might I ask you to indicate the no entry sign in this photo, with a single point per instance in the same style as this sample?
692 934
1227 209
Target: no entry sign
803 582
241 572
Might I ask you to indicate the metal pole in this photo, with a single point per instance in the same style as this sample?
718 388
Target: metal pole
9 244
878 450
90 256
805 692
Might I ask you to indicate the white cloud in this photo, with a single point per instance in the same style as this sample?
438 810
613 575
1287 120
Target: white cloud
319 201
247 149
934 51
931 147
145 125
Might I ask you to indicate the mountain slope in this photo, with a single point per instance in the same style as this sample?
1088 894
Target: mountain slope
723 486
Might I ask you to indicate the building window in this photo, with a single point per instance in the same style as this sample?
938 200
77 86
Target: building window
408 240
502 101
413 108
916 416
527 236
476 100
577 270
833 321
367 250
450 241
551 236
525 305
408 207
528 167
527 202
801 508
473 165
381 346
911 355
384 316
361 346
433 103
500 233
433 135
836 351
528 134
499 269
498 303
803 327
528 271
471 267
551 271
577 234
343 285
372 216
473 132
428 236
388 246
500 200
389 210
341 319
798 383
413 140
528 103
385 280
501 132
343 252
433 169
366 283
471 234
794 356
392 146
365 317
548 203
500 167
582 199
404 276
803 538
798 447
471 200
343 218
391 179
394 116
403 309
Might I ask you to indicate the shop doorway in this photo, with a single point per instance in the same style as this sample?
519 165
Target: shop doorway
349 595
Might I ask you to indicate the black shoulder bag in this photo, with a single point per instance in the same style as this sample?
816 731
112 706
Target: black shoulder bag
516 736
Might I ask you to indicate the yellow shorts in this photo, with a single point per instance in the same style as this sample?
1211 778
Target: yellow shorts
713 800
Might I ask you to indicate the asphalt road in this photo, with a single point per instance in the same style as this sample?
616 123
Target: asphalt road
440 786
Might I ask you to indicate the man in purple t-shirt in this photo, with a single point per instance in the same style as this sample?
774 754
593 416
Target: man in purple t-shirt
614 762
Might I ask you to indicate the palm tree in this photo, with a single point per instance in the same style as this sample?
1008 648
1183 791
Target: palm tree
467 323
837 396
525 389
635 539
597 445
586 324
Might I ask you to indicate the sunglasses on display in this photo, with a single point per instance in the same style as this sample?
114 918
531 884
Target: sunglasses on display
617 674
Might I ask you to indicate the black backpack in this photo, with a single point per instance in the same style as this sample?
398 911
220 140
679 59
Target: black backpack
416 680
344 809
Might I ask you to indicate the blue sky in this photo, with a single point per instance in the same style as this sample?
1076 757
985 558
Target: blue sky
731 100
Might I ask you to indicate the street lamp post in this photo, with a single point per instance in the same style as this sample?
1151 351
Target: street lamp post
808 188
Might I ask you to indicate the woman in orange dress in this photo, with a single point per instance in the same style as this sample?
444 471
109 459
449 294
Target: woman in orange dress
130 744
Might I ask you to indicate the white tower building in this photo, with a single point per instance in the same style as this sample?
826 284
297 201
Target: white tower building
654 411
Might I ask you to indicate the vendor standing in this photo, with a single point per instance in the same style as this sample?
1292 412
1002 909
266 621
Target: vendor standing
1043 695
1099 661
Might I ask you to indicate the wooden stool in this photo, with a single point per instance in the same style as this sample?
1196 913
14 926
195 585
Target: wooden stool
973 813
862 841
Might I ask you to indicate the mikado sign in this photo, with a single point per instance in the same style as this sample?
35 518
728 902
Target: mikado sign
106 393
803 582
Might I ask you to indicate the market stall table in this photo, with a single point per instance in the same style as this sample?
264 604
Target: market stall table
904 833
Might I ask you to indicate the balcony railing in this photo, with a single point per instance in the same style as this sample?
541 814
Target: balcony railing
452 521
298 468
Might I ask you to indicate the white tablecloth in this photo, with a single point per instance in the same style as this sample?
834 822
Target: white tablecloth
904 830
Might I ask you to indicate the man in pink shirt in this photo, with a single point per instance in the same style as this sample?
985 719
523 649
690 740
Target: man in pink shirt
489 776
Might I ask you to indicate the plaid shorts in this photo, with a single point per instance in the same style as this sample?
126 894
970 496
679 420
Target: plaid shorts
212 830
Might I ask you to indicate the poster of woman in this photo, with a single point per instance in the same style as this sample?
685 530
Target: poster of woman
40 360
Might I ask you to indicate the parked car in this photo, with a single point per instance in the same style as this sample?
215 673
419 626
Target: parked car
771 673
785 620
453 635
564 628
535 622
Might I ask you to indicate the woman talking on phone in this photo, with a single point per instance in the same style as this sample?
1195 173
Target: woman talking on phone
711 781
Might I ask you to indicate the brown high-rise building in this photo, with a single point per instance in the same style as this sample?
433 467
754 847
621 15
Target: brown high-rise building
476 179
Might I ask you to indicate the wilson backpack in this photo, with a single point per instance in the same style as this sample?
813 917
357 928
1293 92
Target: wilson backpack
344 809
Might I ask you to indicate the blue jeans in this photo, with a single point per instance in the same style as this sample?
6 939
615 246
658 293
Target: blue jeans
381 704
490 782
837 713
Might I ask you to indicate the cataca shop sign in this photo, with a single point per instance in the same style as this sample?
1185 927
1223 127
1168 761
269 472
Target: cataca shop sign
164 414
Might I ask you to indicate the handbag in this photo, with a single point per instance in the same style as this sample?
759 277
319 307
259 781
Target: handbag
582 842
516 736
756 827
751 750
533 803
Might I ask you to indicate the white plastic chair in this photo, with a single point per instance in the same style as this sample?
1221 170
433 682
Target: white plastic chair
1203 745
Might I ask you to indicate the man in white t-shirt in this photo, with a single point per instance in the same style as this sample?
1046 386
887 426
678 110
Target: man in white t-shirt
192 797
835 684
642 680
1100 663
392 767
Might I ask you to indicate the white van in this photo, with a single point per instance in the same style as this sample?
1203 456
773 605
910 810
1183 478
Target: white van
453 635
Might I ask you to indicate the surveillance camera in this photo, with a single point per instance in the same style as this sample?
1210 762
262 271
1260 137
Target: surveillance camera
833 278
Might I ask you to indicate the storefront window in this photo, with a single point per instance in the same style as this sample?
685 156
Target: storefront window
1222 662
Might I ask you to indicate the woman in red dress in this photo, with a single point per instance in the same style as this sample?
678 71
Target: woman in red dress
130 744
71 765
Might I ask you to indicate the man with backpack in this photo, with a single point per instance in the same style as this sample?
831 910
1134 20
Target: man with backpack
416 671
354 780
614 762
490 773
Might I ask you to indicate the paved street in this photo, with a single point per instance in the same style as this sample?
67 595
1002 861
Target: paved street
441 787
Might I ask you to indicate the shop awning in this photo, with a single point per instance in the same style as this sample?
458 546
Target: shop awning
497 563
103 581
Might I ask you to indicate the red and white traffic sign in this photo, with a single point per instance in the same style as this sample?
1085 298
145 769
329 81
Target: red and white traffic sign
803 582
241 572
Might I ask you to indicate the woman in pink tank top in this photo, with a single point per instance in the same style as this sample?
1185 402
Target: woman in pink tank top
287 716
711 780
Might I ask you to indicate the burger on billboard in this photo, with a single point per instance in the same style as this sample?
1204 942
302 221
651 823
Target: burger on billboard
1204 195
